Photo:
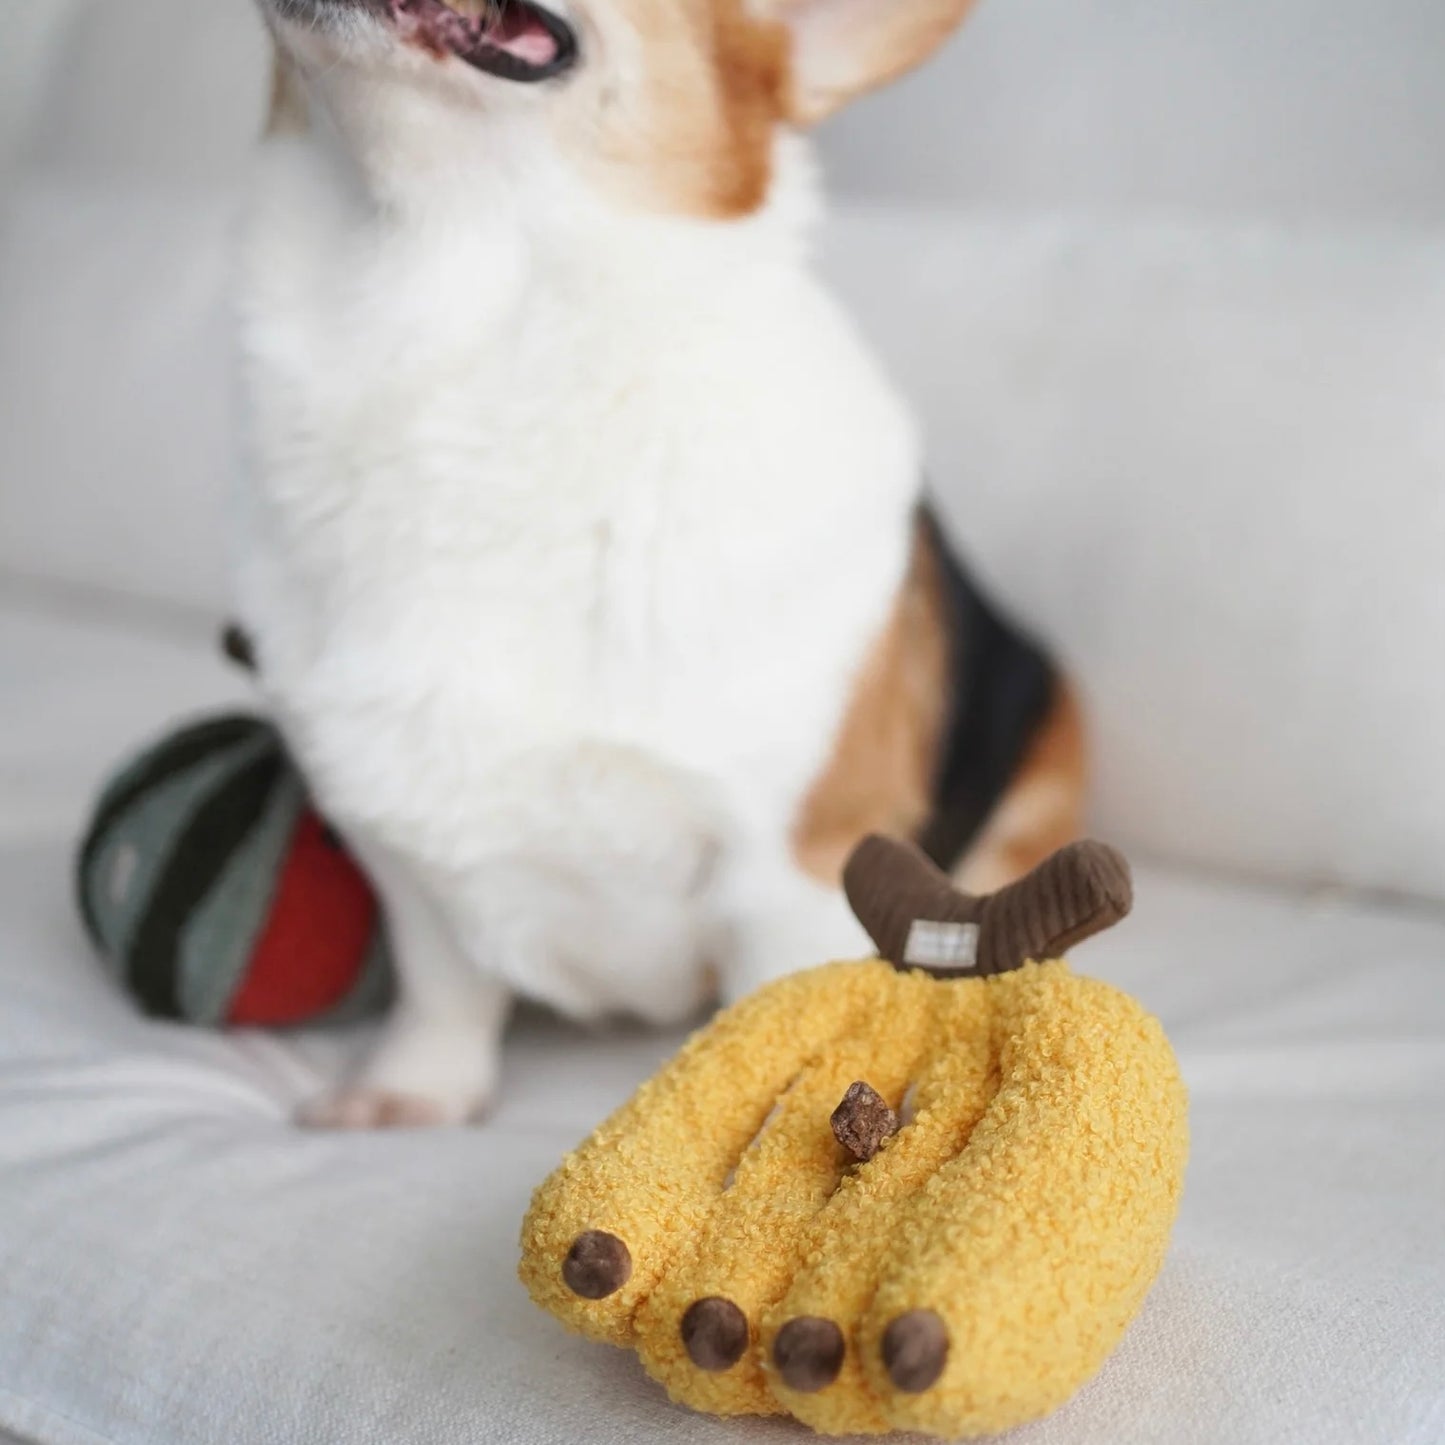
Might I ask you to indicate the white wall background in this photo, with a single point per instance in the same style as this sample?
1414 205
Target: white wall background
1292 109
159 89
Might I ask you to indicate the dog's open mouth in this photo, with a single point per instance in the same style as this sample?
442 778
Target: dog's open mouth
513 39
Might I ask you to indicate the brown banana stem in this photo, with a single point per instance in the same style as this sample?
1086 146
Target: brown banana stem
897 893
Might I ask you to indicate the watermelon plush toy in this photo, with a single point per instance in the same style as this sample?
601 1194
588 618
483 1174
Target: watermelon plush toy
218 896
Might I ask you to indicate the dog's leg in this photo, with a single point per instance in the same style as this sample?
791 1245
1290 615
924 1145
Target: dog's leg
438 1059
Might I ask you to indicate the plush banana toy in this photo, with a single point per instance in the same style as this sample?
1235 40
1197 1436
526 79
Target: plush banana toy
927 1193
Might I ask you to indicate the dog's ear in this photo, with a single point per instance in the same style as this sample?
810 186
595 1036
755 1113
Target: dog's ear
843 48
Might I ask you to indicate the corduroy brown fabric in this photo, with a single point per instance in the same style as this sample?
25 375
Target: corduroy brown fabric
1078 892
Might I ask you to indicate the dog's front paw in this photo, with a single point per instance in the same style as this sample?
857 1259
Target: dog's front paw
427 1072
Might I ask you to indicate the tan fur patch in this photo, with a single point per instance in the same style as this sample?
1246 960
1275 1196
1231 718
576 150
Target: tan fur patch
752 68
691 128
1043 809
694 114
691 131
881 774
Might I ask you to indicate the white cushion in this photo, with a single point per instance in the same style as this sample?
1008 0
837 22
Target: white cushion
182 1265
116 434
80 691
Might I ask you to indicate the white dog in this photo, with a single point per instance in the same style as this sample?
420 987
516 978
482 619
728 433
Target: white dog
581 543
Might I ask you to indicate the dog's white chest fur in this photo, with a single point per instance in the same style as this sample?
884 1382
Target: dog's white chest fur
564 541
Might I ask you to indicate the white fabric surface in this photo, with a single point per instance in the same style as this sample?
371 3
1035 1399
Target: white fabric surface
180 1265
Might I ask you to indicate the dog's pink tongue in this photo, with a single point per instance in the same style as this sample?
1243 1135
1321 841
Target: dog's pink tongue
511 29
516 32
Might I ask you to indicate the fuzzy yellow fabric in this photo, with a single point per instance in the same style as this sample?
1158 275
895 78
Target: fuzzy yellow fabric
1027 1203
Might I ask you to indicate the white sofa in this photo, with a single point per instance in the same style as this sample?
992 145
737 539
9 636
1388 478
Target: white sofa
1204 451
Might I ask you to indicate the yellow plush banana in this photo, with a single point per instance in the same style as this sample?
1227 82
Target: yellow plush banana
958 1244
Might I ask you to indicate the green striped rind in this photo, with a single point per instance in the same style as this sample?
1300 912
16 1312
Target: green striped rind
127 860
219 826
164 829
168 759
218 940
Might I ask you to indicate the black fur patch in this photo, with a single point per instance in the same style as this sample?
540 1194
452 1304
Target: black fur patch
1003 685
